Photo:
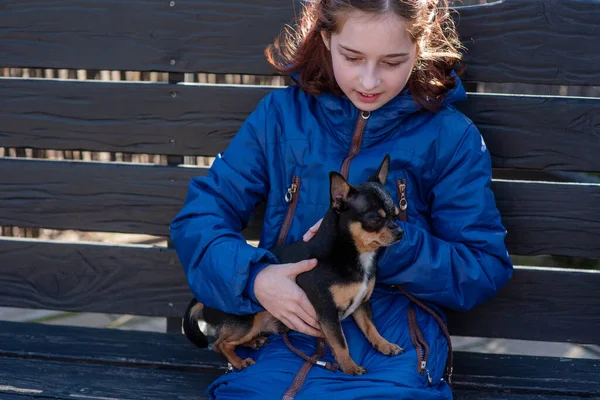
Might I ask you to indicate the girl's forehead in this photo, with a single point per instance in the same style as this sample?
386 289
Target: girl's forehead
375 34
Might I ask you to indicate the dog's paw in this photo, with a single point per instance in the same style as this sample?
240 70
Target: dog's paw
354 370
256 343
261 341
389 349
246 363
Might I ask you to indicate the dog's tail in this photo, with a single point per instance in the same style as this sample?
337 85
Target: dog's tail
190 327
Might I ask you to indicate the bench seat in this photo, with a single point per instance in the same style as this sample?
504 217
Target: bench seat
93 363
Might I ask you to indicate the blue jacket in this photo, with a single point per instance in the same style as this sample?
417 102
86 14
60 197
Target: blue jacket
452 253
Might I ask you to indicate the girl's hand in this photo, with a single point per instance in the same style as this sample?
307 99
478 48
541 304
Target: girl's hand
276 289
312 231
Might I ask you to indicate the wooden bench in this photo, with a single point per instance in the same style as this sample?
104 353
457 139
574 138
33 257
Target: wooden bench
512 41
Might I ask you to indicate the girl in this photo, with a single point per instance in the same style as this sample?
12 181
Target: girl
373 77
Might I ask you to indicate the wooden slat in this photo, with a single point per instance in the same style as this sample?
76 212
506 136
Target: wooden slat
138 280
551 376
130 198
489 375
541 218
123 117
550 218
216 36
549 133
465 394
22 396
67 380
528 41
532 41
106 346
522 132
538 304
552 305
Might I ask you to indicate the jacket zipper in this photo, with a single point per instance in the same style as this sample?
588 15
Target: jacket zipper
420 344
402 202
291 197
359 130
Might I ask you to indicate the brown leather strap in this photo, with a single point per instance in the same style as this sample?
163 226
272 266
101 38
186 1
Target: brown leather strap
308 364
312 360
450 359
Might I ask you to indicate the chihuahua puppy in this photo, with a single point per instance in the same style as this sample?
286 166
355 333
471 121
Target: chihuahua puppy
360 221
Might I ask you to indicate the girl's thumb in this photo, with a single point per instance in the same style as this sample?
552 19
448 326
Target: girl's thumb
304 266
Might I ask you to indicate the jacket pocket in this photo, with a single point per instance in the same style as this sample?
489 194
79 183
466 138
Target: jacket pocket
420 344
291 198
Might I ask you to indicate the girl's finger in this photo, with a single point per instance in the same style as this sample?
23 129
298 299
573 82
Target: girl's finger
305 315
298 325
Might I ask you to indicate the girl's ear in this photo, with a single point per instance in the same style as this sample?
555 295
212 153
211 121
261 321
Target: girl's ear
326 39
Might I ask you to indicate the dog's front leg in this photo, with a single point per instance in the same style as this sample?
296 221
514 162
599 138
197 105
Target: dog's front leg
363 318
334 335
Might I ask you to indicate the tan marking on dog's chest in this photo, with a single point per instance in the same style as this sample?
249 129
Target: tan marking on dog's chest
343 295
348 297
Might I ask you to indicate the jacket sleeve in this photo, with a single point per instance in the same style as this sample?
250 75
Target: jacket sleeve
216 258
463 261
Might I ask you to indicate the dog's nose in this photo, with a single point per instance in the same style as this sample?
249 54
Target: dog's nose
398 233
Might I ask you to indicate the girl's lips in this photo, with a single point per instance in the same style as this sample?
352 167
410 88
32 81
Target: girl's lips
367 99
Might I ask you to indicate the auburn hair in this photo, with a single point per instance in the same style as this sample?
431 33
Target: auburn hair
300 49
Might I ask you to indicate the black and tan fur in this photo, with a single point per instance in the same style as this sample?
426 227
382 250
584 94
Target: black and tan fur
359 222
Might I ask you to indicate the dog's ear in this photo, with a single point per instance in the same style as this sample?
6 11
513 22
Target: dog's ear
340 189
380 176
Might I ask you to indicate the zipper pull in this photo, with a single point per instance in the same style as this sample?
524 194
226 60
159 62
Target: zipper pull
429 378
289 195
424 369
403 203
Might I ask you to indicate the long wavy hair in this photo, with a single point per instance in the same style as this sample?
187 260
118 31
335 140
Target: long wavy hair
301 48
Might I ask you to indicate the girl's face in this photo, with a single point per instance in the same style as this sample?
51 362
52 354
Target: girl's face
373 57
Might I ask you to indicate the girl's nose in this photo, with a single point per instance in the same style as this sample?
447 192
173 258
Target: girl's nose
369 80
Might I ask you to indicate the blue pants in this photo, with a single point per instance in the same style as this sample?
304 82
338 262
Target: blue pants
387 378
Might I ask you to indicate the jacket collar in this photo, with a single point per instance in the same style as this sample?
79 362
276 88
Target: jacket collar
341 114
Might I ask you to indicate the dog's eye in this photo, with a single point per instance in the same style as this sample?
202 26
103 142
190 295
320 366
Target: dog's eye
376 221
372 224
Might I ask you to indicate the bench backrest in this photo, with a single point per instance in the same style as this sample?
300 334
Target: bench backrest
511 41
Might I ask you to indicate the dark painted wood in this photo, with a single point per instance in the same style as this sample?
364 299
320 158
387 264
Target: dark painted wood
139 280
150 118
29 347
538 304
550 218
552 305
522 132
541 218
106 346
532 41
22 396
547 133
230 37
68 380
462 394
458 395
544 375
108 197
149 35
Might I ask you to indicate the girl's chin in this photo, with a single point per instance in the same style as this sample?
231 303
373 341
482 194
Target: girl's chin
366 106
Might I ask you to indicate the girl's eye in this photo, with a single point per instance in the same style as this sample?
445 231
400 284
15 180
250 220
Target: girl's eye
351 59
393 64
